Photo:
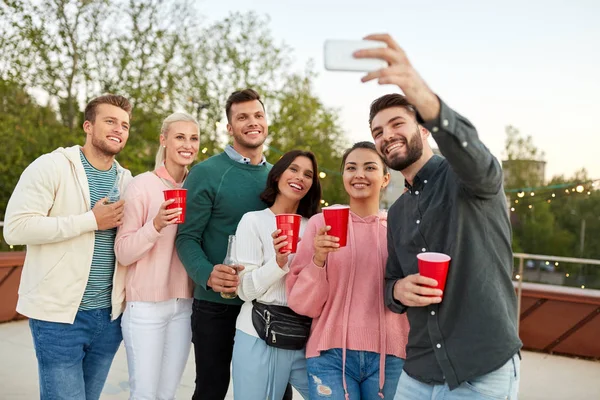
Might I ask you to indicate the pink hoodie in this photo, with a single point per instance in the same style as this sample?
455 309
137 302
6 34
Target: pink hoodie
346 297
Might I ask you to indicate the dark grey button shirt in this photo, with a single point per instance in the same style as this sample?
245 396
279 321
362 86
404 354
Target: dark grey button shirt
456 205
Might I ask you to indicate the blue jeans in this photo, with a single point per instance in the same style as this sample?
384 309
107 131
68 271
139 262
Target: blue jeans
263 372
362 375
74 359
501 384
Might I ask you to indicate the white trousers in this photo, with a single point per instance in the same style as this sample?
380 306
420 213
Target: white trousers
158 337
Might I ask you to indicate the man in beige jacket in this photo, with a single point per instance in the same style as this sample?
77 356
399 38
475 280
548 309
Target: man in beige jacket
66 208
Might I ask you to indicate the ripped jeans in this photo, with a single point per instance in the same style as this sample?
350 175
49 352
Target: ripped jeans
362 375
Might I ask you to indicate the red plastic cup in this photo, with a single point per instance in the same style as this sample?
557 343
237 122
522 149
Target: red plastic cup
290 226
180 196
434 265
337 218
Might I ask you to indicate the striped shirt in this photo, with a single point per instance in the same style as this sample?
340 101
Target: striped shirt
99 286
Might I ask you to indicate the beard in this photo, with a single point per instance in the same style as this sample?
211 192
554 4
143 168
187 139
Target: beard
103 148
414 151
241 140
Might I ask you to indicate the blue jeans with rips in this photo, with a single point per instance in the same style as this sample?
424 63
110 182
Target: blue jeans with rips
74 359
362 375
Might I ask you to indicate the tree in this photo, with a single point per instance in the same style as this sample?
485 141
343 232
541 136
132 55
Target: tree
536 231
78 49
577 207
236 53
156 53
49 47
534 227
303 122
27 130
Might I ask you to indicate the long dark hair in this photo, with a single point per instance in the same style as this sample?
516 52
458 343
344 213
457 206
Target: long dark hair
311 202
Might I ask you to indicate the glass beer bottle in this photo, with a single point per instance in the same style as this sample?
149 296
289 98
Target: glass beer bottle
232 262
114 194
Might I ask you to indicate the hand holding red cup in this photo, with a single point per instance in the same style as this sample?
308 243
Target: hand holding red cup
179 196
435 266
337 218
289 225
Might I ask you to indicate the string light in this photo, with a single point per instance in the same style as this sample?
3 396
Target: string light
530 206
584 188
512 209
322 174
593 182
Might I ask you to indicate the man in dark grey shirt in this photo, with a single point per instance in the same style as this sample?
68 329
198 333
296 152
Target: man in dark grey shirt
466 346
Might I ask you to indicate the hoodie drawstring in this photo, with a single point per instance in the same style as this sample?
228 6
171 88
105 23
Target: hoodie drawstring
347 305
382 322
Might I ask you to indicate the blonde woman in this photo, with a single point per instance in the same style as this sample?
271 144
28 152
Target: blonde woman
156 322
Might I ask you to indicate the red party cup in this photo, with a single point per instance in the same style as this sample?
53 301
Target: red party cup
337 218
434 265
290 226
179 195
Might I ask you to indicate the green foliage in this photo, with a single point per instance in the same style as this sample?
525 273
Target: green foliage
164 57
535 228
27 130
237 52
303 122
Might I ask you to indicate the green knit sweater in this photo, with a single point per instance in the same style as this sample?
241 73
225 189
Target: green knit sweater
220 191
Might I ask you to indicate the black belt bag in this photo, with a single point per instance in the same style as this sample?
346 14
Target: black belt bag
280 326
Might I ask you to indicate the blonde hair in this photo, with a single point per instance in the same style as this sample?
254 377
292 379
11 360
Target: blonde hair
175 117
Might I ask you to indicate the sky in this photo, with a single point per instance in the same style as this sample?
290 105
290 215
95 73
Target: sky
531 64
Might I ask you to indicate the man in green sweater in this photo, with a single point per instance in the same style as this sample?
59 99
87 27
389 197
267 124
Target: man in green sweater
221 190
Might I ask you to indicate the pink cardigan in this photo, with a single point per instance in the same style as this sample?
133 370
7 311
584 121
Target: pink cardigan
155 272
346 298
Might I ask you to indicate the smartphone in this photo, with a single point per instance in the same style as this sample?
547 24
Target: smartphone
338 55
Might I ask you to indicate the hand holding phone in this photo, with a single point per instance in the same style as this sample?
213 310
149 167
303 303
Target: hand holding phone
338 55
400 72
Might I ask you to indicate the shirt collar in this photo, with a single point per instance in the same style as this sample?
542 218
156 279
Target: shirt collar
237 157
424 173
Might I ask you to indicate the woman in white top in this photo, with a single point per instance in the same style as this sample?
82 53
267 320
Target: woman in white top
261 370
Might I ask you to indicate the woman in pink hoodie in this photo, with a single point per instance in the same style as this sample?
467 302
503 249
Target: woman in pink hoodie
156 323
356 349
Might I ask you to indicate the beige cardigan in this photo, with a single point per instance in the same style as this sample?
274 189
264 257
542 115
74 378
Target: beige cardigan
50 212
